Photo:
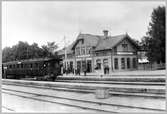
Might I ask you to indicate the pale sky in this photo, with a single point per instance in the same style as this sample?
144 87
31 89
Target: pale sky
47 21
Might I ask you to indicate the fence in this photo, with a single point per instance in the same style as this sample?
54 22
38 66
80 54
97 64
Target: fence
149 66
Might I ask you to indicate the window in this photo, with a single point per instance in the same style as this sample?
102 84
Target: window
77 51
105 62
88 50
36 65
21 65
128 63
134 63
31 65
98 64
10 66
17 65
125 47
97 54
123 63
115 49
116 63
25 65
83 51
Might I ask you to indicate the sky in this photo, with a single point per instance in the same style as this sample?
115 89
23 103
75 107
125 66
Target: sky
48 21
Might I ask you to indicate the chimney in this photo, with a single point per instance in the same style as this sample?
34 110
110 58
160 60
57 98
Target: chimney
105 33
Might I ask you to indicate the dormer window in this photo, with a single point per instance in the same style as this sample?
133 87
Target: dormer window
83 51
125 47
88 50
77 52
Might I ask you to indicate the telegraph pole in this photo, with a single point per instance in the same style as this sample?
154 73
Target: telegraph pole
65 53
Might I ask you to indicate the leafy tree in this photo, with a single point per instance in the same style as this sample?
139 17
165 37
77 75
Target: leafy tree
154 41
6 54
49 50
23 50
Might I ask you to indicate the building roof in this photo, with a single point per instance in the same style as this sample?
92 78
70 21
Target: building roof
89 40
109 42
97 41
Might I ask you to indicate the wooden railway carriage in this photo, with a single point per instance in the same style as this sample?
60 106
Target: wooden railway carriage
31 68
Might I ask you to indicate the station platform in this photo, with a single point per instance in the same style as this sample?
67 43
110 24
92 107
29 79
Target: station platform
124 73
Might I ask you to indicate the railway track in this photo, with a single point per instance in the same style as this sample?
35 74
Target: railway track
83 104
113 82
47 99
90 90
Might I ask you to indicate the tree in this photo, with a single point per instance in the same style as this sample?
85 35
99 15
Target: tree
49 50
7 55
23 50
154 41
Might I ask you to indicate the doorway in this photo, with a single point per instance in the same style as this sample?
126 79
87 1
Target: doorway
89 66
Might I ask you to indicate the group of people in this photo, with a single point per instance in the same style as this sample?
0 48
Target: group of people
77 71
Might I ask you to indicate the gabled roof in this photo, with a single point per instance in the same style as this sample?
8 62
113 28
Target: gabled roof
110 42
99 42
89 40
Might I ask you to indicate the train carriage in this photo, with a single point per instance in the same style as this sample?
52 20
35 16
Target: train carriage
32 68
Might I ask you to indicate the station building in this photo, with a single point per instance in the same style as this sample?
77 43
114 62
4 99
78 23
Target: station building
97 52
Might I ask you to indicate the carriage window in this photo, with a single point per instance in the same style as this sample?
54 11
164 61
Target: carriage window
36 64
25 65
14 66
31 65
17 65
21 65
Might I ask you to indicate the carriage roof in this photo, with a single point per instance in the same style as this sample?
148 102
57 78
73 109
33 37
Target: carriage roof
31 60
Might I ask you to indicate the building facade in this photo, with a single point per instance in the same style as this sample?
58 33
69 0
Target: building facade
103 54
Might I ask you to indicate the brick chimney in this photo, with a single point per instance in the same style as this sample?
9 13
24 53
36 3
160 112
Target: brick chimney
105 33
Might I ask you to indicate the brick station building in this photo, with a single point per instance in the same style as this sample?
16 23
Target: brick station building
98 52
